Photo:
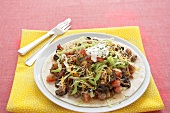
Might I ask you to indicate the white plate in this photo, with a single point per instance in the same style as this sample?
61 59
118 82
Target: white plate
40 61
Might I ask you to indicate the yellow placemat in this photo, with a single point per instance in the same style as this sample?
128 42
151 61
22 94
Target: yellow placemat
26 97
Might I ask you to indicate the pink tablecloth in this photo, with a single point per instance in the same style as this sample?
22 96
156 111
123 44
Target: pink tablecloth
152 16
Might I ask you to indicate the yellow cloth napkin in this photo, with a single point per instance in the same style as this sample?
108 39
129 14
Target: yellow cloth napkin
26 97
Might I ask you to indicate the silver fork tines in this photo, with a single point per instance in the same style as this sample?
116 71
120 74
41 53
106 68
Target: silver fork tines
60 29
30 46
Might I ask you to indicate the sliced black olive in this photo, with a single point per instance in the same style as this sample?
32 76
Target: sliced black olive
126 79
102 88
112 76
126 84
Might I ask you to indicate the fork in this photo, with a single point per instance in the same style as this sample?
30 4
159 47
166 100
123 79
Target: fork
27 48
62 28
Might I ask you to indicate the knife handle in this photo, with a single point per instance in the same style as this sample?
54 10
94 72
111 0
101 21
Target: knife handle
27 48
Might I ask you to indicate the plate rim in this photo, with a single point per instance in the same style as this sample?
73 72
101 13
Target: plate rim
130 100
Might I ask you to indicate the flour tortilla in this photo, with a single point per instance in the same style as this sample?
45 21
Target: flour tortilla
139 76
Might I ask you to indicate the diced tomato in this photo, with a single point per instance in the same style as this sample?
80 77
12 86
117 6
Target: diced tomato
66 53
116 83
100 59
88 58
118 89
131 72
63 66
51 78
83 51
95 97
131 76
59 46
86 97
55 66
118 73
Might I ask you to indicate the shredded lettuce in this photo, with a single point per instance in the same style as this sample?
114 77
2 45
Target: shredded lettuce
112 60
91 94
75 88
97 76
92 82
116 63
98 66
80 78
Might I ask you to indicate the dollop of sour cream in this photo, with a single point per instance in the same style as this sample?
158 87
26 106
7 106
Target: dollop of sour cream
99 50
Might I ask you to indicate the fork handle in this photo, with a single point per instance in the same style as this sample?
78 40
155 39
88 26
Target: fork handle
27 48
33 58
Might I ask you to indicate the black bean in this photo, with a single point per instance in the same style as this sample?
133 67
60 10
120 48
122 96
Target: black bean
133 58
113 55
129 52
79 88
122 48
56 84
89 90
64 71
61 91
55 57
89 38
123 70
105 67
79 44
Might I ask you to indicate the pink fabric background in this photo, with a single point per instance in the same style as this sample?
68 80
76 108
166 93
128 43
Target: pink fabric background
152 16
